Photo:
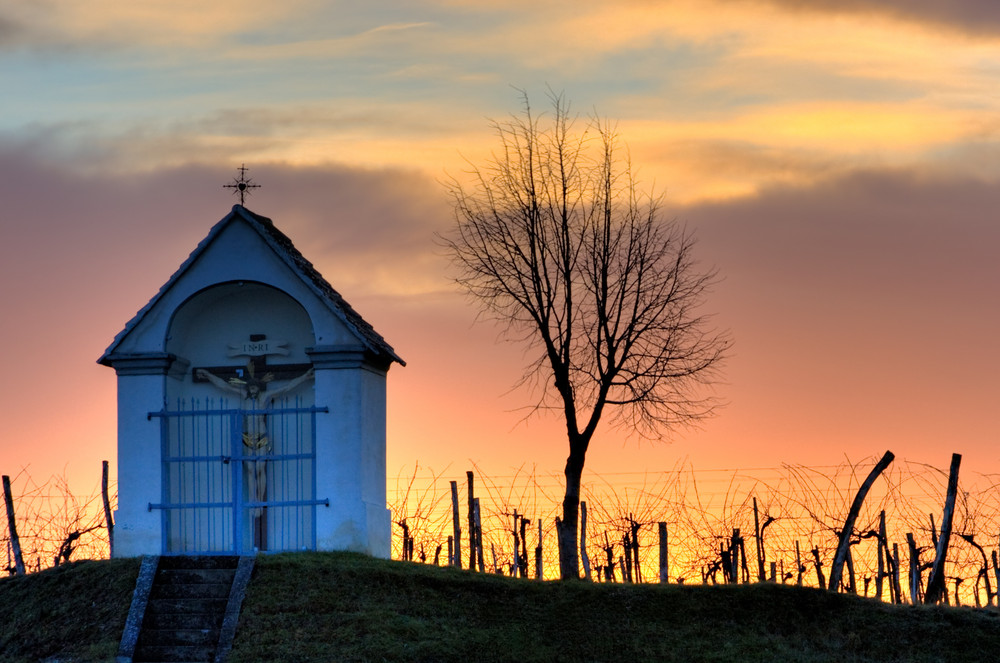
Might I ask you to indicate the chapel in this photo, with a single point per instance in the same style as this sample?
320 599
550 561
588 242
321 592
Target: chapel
251 407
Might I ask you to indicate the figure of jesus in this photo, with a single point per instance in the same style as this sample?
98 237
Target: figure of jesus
254 395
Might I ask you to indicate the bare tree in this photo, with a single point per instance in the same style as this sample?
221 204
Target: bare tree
555 241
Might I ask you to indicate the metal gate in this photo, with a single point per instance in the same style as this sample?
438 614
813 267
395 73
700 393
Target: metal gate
229 491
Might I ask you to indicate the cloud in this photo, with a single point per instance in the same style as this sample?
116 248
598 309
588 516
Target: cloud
973 16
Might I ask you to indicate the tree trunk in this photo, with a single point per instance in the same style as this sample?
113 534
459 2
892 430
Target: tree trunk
936 584
566 529
836 569
584 557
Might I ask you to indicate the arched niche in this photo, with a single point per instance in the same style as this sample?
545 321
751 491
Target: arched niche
230 324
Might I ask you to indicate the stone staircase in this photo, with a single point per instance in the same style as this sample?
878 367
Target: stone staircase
190 611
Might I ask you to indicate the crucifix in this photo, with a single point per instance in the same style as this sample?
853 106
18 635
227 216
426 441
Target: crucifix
251 382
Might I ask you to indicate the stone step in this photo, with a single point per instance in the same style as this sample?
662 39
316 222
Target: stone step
205 620
199 562
194 576
200 590
185 609
174 654
186 606
173 636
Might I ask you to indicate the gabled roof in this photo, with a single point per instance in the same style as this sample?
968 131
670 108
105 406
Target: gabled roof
286 251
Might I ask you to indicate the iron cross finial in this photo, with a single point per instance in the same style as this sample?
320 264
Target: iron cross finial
242 184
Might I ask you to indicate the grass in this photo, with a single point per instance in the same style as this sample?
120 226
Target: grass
342 607
351 608
73 612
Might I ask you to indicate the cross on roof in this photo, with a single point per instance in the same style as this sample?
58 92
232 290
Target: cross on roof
242 184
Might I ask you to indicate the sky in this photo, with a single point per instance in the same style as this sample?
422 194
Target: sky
838 163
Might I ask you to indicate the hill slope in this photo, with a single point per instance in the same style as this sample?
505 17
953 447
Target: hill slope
342 607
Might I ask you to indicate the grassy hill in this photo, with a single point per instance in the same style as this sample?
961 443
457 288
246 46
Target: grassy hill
342 607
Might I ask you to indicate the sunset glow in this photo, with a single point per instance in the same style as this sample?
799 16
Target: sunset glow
840 168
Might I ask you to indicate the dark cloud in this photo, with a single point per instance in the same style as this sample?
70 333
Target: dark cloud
974 16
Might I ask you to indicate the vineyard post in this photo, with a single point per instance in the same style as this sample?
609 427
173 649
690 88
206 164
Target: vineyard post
584 557
12 527
851 586
895 573
819 567
107 508
479 537
627 550
757 538
798 564
880 575
524 546
936 583
996 575
914 569
836 568
664 560
456 559
517 548
472 521
538 553
635 548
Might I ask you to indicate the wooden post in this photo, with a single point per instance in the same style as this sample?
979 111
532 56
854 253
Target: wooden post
15 541
451 550
936 583
456 559
757 539
479 537
524 546
996 574
798 564
627 549
743 557
852 587
437 555
836 569
635 548
914 569
583 539
819 567
538 554
107 508
882 556
472 521
664 560
895 573
517 548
